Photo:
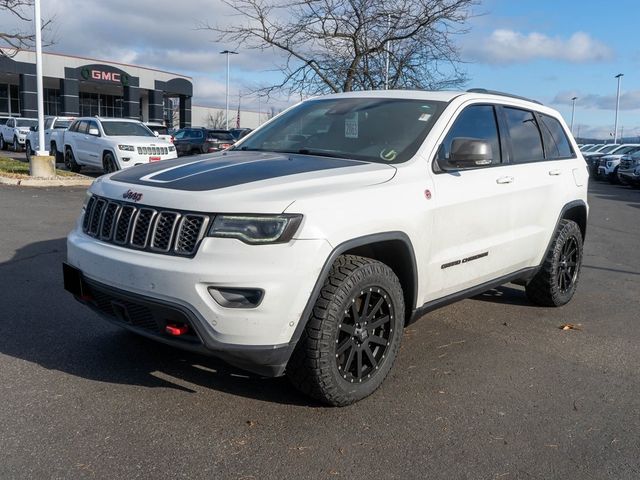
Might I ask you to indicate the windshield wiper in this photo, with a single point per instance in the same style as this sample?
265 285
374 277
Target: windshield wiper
319 153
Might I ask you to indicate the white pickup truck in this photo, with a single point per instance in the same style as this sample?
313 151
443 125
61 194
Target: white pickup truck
53 131
14 132
111 144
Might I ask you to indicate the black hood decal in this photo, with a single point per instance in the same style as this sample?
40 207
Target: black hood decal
221 171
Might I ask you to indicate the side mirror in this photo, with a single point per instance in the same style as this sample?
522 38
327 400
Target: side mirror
155 133
33 129
469 153
94 131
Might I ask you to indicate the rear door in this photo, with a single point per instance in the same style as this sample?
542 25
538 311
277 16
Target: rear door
539 150
75 140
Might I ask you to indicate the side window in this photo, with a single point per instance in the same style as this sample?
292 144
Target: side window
92 124
556 142
74 126
82 127
526 142
47 123
477 122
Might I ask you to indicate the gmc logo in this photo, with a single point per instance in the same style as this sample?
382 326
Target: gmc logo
106 76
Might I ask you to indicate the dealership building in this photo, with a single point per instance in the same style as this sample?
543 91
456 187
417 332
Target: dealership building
77 86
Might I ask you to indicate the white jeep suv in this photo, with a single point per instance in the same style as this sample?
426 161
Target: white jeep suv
308 246
111 144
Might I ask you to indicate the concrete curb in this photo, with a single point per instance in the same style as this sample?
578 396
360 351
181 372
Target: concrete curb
46 182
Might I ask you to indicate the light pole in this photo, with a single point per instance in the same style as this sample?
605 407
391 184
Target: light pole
227 53
386 69
38 25
615 124
573 111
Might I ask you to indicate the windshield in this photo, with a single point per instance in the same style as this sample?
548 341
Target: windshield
220 136
384 130
608 149
25 122
121 129
623 150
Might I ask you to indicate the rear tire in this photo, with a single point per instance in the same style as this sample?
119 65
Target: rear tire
70 161
3 144
557 280
53 151
353 336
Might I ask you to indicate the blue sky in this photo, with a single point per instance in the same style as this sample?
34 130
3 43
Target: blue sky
543 49
552 67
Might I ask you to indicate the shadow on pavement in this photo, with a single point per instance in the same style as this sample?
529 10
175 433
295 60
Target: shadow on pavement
43 324
505 295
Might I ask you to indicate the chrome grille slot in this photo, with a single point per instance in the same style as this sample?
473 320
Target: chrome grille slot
109 220
163 231
190 232
96 215
123 224
87 213
142 226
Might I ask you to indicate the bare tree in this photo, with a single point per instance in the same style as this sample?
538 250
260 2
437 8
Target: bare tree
344 45
216 120
18 39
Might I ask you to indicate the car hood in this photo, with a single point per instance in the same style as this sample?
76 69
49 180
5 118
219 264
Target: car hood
241 181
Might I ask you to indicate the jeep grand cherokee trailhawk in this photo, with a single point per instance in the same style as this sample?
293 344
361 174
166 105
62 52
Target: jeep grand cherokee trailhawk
307 247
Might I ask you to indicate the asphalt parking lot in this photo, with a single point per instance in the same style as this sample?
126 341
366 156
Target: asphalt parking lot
489 388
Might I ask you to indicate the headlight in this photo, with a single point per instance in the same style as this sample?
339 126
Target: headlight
608 164
256 229
87 196
128 148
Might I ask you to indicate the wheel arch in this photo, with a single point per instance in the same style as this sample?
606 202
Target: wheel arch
576 211
391 248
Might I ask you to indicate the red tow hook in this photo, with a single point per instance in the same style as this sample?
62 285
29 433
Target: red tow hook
176 329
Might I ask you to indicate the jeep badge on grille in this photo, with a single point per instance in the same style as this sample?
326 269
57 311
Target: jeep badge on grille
131 195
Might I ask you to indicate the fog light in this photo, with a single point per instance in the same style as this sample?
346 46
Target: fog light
237 297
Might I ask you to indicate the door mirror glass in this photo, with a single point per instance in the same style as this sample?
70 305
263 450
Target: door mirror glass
469 153
155 133
94 131
33 129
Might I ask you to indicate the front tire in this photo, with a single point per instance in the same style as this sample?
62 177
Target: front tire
3 144
557 280
352 338
70 161
27 150
16 144
109 164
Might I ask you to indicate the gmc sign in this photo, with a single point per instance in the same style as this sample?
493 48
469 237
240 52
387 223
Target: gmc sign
107 74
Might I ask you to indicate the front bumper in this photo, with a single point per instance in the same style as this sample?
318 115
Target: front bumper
256 339
629 177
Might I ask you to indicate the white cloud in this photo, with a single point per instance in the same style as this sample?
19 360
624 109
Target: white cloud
506 46
629 100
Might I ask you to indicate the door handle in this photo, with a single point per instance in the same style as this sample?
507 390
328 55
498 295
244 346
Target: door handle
555 172
503 180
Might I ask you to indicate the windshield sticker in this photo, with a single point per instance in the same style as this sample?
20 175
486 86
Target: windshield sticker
351 127
424 117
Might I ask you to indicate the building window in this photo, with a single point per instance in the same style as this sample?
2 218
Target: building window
9 97
52 101
92 104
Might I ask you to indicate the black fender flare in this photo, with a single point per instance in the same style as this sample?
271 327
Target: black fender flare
339 250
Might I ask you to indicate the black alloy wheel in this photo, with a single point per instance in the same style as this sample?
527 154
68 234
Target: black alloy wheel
568 265
364 335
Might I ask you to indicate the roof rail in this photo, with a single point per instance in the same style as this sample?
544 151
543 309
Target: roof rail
503 94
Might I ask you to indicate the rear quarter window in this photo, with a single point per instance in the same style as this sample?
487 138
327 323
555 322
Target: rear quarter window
555 138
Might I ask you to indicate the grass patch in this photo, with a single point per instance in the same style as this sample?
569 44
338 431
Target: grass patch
17 169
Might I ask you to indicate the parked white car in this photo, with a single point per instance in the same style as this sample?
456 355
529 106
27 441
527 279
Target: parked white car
160 129
14 132
608 164
51 125
112 144
308 246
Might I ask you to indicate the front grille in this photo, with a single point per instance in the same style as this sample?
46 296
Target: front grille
153 150
144 228
627 163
